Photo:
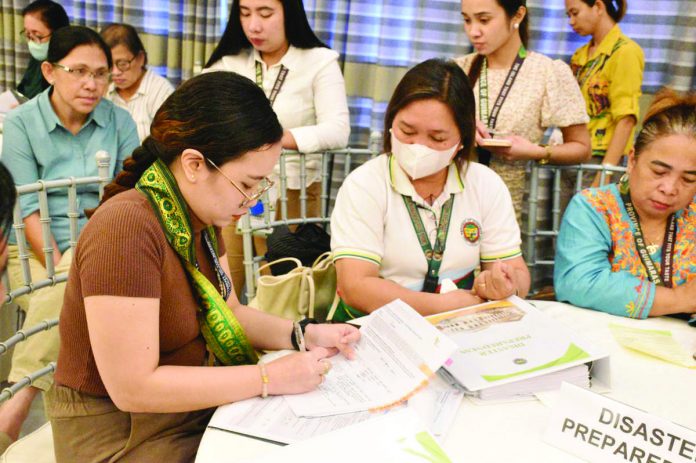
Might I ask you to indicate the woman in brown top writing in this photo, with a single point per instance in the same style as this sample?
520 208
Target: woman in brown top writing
149 305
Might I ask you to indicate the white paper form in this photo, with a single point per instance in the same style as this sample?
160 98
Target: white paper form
272 419
397 437
397 353
437 406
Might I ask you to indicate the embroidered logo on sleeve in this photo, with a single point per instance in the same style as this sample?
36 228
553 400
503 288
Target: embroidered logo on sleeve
471 231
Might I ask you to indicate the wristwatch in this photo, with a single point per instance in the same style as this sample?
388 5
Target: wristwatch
547 156
297 334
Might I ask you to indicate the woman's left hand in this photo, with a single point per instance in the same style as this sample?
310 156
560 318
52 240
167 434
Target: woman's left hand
339 336
521 149
495 283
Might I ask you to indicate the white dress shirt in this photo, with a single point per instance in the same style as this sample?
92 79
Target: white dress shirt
143 105
312 103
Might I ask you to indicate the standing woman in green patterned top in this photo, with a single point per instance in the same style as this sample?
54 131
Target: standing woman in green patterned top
609 70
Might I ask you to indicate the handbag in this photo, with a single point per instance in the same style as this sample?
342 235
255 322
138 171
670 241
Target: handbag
304 291
307 243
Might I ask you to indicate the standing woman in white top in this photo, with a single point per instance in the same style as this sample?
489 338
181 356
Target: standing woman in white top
138 90
541 93
271 43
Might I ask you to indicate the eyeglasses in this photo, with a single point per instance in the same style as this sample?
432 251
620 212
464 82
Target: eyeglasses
268 184
101 76
34 37
124 64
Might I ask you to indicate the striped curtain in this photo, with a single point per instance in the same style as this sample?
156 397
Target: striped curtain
14 54
178 35
379 41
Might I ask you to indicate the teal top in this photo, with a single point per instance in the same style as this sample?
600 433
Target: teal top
36 146
597 262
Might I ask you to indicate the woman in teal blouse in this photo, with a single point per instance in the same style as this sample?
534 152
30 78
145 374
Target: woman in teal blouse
56 135
630 249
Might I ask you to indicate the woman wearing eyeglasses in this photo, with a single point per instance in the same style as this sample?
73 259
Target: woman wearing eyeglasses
41 18
134 87
54 136
152 335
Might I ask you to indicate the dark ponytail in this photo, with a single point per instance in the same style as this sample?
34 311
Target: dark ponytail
511 8
133 168
220 114
616 9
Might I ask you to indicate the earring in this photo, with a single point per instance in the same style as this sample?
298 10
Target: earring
623 184
516 26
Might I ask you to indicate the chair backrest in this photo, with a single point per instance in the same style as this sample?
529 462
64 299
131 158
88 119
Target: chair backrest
30 285
335 165
547 183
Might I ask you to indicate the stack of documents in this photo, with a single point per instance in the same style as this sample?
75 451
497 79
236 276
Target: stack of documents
509 349
396 360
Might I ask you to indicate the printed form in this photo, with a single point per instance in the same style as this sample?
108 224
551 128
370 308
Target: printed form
397 353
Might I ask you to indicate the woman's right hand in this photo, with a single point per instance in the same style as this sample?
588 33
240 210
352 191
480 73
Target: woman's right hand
299 372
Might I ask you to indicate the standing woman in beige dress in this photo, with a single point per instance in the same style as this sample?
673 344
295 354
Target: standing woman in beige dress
541 93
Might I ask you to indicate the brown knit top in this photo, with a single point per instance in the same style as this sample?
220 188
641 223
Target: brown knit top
123 251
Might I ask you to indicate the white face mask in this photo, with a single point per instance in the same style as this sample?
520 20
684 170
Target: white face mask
419 161
39 51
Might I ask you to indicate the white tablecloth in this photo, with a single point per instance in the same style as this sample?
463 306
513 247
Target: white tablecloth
513 431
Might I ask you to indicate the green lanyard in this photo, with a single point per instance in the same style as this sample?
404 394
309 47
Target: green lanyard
433 256
280 80
492 119
664 279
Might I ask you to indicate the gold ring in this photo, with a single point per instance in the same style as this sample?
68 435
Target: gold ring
327 367
482 284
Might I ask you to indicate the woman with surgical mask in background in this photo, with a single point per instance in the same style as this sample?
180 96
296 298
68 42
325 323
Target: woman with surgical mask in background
422 213
41 19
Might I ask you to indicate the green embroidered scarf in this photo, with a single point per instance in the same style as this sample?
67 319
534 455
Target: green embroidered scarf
221 330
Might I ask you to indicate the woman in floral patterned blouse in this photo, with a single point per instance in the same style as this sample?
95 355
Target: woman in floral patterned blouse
630 248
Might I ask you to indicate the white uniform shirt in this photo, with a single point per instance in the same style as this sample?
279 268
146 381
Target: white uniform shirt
312 103
143 105
370 222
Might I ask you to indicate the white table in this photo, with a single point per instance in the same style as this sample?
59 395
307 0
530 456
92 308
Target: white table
513 431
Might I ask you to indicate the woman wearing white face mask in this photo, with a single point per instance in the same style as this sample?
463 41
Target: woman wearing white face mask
41 19
425 186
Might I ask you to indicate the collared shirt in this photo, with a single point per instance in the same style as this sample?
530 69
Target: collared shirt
143 105
312 103
36 146
370 222
597 263
610 81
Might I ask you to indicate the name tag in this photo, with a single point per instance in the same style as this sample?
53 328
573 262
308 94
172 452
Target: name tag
599 429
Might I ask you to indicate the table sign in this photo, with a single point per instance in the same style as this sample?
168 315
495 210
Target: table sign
599 429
